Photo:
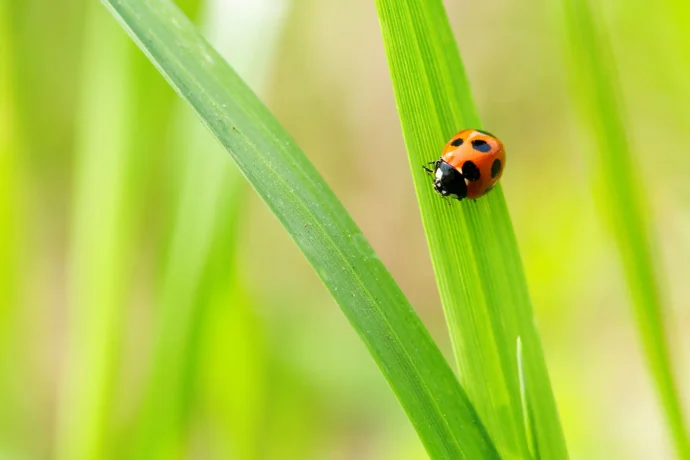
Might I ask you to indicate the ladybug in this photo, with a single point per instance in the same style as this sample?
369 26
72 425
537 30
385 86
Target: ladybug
470 165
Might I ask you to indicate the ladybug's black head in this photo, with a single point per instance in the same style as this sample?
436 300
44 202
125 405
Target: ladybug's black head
448 181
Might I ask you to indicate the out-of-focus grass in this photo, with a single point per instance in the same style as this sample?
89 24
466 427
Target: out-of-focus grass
233 367
284 178
9 149
98 256
203 306
473 249
11 217
209 194
101 261
675 38
620 188
198 290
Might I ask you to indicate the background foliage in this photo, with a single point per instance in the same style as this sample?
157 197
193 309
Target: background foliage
310 389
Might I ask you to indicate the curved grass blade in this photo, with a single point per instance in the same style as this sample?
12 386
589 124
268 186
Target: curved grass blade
473 249
318 223
622 199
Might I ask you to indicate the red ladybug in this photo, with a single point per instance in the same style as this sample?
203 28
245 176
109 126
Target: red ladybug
470 165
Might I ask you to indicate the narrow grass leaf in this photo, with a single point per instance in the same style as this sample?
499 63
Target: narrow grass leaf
13 418
205 182
526 415
97 255
620 191
9 180
473 248
315 219
235 391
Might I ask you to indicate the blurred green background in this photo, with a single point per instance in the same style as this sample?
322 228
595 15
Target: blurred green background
137 323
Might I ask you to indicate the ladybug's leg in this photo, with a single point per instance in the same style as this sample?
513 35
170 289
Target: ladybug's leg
429 170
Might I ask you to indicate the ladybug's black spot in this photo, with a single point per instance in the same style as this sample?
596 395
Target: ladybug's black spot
495 168
470 171
485 132
481 145
457 142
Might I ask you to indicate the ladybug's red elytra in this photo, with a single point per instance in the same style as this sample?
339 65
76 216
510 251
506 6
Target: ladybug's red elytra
471 164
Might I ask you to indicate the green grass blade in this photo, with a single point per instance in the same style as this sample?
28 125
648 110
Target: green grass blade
526 407
473 248
12 245
318 223
9 180
97 248
619 188
235 390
